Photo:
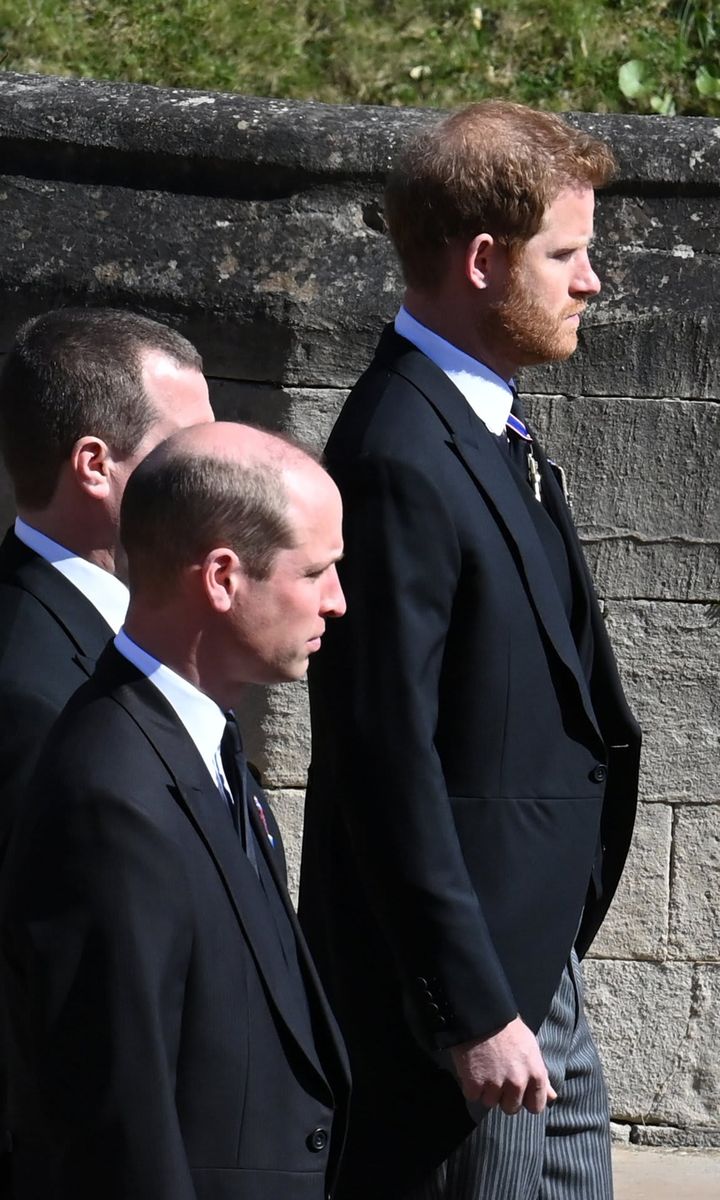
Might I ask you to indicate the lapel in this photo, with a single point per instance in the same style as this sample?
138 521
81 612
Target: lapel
199 798
312 979
609 701
583 591
476 448
86 629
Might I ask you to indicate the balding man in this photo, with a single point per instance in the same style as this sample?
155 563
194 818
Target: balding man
84 395
173 1042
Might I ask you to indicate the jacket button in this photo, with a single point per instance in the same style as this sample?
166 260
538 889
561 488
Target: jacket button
599 773
317 1140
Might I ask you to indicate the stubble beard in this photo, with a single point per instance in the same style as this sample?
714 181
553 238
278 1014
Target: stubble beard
532 334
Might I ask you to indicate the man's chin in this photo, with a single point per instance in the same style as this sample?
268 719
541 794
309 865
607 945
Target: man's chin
292 672
565 348
555 349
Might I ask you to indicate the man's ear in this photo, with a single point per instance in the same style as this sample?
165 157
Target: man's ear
91 461
223 578
483 256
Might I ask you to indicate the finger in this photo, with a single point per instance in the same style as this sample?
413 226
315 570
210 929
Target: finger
536 1095
511 1099
490 1095
551 1094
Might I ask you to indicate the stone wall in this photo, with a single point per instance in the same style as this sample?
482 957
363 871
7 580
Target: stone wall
256 227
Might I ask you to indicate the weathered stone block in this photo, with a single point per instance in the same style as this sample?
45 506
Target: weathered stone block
620 1134
645 490
257 403
626 351
695 884
670 663
276 729
636 925
277 316
183 135
628 568
307 414
639 469
656 1025
313 412
288 809
673 1138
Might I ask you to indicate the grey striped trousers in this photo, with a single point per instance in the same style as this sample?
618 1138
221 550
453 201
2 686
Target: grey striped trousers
562 1153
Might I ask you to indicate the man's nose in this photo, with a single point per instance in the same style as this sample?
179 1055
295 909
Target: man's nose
586 281
334 604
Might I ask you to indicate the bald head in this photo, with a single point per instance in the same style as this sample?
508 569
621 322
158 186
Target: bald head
209 485
233 443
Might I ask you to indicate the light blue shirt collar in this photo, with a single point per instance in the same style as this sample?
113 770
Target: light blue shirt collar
108 595
487 394
203 719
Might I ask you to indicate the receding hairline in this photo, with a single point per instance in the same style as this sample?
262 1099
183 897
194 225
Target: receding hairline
208 442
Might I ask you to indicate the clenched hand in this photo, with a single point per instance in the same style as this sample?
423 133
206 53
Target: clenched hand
505 1069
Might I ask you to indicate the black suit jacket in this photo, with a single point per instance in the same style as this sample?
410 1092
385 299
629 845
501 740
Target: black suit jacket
171 1041
466 763
50 638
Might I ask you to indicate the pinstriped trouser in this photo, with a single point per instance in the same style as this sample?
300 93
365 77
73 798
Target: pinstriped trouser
562 1153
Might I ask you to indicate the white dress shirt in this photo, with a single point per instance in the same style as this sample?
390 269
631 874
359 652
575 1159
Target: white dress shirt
487 394
201 716
108 595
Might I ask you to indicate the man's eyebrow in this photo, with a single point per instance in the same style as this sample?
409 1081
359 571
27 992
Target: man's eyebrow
576 243
327 562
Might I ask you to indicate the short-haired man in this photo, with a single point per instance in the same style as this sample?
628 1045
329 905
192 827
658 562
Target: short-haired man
474 766
84 395
171 1040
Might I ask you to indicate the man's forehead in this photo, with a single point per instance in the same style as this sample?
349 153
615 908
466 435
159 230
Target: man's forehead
573 200
569 215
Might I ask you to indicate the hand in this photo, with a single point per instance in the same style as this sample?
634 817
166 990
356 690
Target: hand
505 1069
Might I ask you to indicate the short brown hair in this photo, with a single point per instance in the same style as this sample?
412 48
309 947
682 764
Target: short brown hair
74 372
491 168
178 506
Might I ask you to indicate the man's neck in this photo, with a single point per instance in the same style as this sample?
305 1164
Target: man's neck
178 638
445 316
84 543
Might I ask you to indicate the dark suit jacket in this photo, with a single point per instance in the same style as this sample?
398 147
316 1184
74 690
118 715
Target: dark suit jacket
471 749
171 1042
50 637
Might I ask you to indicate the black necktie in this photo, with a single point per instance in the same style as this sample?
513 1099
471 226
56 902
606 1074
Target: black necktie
233 761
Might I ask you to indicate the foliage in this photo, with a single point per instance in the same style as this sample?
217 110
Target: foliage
601 55
696 42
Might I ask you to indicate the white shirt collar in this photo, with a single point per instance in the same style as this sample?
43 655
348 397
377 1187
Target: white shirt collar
202 717
487 394
103 590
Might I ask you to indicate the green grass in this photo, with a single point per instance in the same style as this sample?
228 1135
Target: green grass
557 54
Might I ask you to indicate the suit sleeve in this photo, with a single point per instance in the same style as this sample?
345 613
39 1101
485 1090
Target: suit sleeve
97 938
374 690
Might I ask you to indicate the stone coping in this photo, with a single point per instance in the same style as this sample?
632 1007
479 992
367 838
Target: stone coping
223 143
